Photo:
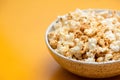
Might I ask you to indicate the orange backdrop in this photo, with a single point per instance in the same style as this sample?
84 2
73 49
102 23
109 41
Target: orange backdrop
23 53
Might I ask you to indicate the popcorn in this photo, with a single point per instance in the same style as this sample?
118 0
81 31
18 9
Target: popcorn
69 37
77 34
110 35
74 23
76 40
115 46
101 42
84 38
103 49
90 55
69 43
117 34
89 36
83 49
108 57
57 25
108 22
75 49
116 56
63 49
92 40
90 60
92 43
100 59
53 44
88 32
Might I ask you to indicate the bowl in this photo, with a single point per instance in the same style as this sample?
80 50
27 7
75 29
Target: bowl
84 69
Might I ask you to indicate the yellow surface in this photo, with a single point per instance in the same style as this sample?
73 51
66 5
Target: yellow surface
23 53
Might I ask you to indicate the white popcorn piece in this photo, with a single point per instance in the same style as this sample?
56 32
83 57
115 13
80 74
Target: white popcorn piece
115 46
117 24
118 36
100 59
63 49
74 23
103 49
92 46
90 55
76 40
100 17
117 33
108 23
58 25
75 49
110 35
92 40
90 60
88 31
69 37
92 43
104 12
69 43
64 18
108 57
81 13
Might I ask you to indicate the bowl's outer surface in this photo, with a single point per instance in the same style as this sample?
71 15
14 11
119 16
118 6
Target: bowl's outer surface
89 70
103 70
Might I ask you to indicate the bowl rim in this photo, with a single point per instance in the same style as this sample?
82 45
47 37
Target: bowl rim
73 60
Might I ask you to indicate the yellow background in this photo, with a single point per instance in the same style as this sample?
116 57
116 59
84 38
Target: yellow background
23 53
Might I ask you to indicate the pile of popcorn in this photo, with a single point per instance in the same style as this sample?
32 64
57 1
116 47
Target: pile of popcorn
91 35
